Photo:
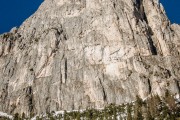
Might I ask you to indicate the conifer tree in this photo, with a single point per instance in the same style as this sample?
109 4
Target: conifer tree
129 112
23 115
138 109
16 116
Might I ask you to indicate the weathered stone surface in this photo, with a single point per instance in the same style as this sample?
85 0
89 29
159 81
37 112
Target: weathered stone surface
74 54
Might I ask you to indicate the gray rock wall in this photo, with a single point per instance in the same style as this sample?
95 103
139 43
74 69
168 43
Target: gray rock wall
75 54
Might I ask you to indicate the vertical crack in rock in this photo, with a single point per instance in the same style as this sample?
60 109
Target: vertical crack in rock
139 10
140 15
149 84
151 43
66 68
30 99
103 90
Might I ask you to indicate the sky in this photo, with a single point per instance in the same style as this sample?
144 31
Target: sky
14 12
172 8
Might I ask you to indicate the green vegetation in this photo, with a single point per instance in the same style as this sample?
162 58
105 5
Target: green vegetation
4 118
150 109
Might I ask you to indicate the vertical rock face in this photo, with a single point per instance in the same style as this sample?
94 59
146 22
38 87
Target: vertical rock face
74 54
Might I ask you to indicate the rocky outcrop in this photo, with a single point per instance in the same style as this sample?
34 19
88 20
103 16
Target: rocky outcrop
74 54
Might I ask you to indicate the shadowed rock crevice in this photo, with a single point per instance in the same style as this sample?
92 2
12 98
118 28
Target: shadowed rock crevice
66 68
30 99
149 84
140 15
151 42
139 10
103 89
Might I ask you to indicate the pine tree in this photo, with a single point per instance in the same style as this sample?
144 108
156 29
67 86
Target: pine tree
78 116
16 116
148 114
129 112
137 108
139 116
23 115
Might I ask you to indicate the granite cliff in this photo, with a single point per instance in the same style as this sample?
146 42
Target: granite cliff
74 54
